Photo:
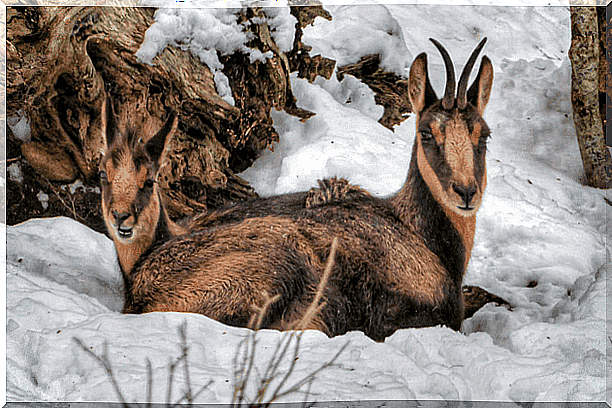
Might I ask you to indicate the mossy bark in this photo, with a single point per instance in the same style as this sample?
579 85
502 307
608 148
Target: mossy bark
588 101
63 61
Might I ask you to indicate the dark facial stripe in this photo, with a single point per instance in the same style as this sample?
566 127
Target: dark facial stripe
434 121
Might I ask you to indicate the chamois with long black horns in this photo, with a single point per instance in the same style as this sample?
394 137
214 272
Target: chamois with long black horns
399 261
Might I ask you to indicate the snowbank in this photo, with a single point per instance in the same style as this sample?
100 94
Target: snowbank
540 239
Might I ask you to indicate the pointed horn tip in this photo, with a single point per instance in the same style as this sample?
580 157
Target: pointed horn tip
465 74
437 43
480 45
448 100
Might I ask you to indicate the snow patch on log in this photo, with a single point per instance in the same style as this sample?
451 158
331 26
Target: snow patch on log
208 32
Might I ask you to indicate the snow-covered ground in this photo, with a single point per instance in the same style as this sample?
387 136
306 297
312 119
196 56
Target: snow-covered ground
540 240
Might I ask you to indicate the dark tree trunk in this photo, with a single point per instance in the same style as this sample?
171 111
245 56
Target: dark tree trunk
587 54
606 16
63 61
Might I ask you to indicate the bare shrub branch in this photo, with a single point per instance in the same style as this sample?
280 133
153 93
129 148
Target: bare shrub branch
315 307
103 361
244 370
149 383
187 396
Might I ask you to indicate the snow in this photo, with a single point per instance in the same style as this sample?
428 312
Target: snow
540 241
207 31
378 33
20 126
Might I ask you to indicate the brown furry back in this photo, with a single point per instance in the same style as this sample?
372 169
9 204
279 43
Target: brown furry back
399 262
384 276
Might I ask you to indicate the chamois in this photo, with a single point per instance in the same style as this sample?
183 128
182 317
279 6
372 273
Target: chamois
132 206
399 262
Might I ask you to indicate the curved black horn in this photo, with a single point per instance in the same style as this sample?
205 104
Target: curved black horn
465 76
449 93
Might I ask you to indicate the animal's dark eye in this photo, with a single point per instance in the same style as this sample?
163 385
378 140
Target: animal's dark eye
425 135
149 183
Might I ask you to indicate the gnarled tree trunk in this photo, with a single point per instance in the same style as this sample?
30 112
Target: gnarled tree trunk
63 61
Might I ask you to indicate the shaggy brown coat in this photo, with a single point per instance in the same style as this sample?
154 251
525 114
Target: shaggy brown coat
399 263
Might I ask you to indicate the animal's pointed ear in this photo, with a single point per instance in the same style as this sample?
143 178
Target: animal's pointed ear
420 91
109 122
480 91
155 146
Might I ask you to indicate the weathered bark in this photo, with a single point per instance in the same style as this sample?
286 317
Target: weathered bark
245 77
603 63
607 74
299 58
390 90
587 82
62 62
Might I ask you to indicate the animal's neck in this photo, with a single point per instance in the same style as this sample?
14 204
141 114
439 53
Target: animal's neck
162 230
448 235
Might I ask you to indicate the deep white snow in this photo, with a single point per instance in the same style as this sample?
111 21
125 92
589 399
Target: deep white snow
540 240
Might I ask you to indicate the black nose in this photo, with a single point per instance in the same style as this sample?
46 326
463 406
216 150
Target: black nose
466 193
120 217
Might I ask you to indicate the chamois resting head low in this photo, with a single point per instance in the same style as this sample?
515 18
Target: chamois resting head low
131 201
399 262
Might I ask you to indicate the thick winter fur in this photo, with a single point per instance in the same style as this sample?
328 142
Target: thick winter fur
131 203
399 263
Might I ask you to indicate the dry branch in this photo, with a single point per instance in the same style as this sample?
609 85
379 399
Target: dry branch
390 90
315 306
247 348
188 395
105 363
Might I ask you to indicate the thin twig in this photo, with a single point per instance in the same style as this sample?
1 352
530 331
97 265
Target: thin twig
188 396
244 369
185 349
171 369
271 371
315 307
194 396
240 371
310 377
292 364
243 372
149 383
310 381
262 311
103 361
71 208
